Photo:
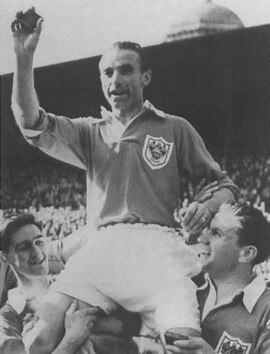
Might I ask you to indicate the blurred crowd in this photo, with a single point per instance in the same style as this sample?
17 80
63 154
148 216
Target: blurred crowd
55 193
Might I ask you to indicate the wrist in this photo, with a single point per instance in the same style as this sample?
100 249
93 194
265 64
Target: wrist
25 60
68 344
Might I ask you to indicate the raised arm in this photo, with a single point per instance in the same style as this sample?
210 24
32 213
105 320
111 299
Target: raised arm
24 97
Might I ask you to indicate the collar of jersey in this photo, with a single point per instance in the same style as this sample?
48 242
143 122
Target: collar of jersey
147 106
251 293
17 299
113 130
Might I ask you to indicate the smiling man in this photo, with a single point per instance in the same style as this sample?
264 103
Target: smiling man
135 157
234 303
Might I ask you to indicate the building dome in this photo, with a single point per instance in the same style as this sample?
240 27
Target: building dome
203 19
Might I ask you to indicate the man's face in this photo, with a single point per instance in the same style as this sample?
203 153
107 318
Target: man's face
28 251
219 244
122 80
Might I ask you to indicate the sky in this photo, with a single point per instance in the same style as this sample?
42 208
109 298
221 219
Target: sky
74 29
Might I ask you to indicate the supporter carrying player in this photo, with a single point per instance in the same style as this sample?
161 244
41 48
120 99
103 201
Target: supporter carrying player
234 302
134 157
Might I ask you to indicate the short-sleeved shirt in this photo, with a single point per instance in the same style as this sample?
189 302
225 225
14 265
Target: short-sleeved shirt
133 172
241 325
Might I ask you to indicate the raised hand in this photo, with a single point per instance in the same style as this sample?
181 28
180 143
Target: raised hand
25 43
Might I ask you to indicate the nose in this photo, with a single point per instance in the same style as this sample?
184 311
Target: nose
35 250
116 77
204 237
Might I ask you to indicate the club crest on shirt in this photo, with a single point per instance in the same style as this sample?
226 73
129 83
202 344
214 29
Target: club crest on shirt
231 345
156 151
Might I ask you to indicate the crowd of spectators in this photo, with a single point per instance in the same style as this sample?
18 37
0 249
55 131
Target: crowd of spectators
55 192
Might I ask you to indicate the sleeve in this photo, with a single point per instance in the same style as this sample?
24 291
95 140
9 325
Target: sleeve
262 345
7 281
10 330
197 163
65 139
55 257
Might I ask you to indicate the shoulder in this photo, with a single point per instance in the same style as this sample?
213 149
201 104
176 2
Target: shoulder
9 318
262 309
264 299
181 124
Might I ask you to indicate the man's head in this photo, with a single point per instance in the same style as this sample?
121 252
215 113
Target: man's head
124 73
237 236
23 245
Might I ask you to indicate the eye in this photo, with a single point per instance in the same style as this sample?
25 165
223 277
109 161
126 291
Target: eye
39 242
214 232
108 72
126 69
23 247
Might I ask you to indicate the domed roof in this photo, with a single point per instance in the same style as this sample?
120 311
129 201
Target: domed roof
203 19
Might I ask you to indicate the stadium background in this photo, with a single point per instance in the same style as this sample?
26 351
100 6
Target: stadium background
220 83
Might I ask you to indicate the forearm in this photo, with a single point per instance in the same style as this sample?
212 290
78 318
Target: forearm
67 346
24 98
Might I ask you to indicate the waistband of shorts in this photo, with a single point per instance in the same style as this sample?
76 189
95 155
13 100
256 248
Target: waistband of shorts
140 225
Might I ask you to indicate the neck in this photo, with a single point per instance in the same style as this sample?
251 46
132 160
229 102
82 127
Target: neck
227 285
124 116
33 286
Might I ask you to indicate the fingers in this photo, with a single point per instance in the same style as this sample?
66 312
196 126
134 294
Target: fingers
196 218
90 311
200 186
211 185
73 307
38 28
16 26
190 213
171 349
184 347
206 192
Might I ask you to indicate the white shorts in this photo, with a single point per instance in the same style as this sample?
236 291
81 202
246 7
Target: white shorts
144 268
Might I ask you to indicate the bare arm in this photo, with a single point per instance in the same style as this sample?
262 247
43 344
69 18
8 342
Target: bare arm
78 324
24 98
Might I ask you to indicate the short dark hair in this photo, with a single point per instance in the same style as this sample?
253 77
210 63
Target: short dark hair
254 231
11 225
144 62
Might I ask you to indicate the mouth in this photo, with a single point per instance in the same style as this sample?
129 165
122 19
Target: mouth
37 261
204 253
117 93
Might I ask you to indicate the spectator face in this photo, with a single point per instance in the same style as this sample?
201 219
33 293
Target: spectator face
122 80
219 243
28 251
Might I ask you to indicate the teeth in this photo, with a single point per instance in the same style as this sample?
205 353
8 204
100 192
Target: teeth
204 253
36 262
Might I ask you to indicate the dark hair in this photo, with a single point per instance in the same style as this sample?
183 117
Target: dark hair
11 225
137 49
254 231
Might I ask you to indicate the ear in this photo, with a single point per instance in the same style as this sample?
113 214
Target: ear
146 78
247 254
